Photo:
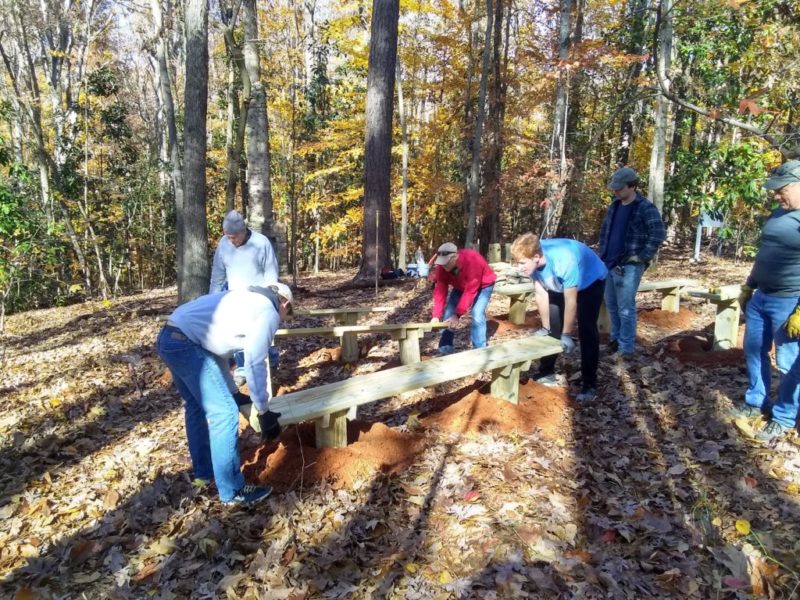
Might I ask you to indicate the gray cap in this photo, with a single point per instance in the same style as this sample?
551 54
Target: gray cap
788 172
233 223
623 177
444 252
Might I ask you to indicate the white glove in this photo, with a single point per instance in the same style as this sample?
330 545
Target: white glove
567 343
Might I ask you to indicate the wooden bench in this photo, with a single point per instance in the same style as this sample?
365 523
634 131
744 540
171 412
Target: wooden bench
729 310
328 405
407 334
345 316
671 290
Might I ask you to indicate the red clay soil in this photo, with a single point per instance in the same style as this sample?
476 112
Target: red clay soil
540 407
697 351
294 458
374 447
499 324
668 320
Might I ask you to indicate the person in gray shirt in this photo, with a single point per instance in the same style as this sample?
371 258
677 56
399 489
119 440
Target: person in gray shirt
775 277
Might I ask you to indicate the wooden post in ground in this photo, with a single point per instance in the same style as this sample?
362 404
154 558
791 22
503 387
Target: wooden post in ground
518 308
726 325
671 300
409 346
349 340
505 383
331 430
493 255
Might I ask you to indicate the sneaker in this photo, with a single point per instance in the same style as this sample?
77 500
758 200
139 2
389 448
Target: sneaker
548 380
744 411
772 432
587 394
239 377
613 346
445 350
249 494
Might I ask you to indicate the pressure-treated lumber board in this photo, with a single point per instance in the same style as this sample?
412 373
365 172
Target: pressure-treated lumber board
315 403
729 310
321 312
339 330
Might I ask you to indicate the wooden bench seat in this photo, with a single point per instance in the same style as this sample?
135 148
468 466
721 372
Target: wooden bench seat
345 316
328 405
729 310
407 334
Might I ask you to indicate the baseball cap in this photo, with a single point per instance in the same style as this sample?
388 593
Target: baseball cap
622 177
788 172
444 252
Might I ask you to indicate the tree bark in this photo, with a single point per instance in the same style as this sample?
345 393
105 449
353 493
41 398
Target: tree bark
401 261
637 21
659 150
473 181
194 272
259 213
378 138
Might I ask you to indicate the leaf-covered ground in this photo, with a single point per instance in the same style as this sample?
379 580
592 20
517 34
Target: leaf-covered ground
648 492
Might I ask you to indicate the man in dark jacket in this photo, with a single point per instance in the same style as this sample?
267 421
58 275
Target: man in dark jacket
629 239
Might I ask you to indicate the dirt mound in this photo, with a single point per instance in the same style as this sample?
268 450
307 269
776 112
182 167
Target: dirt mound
294 458
668 320
540 407
697 350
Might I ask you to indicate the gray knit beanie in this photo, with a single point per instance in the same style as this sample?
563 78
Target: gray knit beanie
233 223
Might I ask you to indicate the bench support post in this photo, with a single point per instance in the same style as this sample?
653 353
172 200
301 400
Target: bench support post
518 308
349 340
505 382
726 325
409 347
671 300
331 430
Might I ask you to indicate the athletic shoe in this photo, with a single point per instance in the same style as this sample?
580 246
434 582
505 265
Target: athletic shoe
249 494
587 394
445 350
744 411
772 432
548 380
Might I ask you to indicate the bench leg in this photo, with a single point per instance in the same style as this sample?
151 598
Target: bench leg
409 347
726 325
671 300
518 308
505 383
603 320
331 430
349 341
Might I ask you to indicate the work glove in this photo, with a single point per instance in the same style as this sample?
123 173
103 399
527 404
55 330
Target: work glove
268 422
542 331
745 294
793 324
633 260
241 399
567 343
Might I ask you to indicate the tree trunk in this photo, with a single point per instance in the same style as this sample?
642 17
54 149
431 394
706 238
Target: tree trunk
659 149
259 213
556 189
637 21
473 181
194 274
401 262
378 138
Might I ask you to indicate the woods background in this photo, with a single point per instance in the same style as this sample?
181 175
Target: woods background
128 129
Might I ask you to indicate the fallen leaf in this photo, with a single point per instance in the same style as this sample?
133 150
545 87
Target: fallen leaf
412 567
111 499
743 526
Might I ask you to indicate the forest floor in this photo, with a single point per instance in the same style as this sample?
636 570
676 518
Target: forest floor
648 492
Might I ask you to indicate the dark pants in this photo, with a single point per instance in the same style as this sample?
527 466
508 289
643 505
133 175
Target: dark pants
589 302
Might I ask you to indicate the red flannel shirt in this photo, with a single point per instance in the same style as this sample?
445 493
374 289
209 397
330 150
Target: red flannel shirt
474 274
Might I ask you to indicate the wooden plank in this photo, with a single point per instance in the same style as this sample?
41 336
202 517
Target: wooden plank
349 340
505 383
339 396
338 331
649 286
726 325
331 430
514 289
320 312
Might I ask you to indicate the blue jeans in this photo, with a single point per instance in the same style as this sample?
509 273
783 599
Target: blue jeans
478 329
212 417
765 318
620 300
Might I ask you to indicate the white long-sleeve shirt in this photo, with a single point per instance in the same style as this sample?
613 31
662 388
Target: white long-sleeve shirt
252 263
226 322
